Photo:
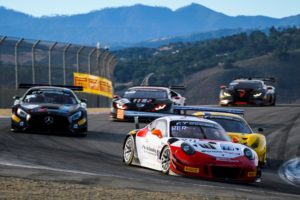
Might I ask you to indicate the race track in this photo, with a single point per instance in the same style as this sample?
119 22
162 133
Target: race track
97 158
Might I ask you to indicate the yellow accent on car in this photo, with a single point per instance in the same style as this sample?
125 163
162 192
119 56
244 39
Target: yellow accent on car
133 132
256 141
82 121
251 174
15 118
191 169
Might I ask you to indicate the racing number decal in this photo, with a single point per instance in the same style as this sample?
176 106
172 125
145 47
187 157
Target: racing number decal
120 114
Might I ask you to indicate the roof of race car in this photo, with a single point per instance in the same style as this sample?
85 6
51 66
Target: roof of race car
187 118
217 114
248 81
50 87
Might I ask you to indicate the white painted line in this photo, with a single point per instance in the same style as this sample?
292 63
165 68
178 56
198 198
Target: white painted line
55 169
3 163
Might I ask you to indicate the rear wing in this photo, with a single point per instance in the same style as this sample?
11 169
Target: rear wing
71 87
121 114
270 79
209 109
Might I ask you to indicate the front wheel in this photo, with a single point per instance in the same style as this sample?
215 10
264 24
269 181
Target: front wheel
128 150
165 160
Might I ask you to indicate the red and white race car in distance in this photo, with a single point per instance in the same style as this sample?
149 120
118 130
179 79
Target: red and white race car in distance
190 146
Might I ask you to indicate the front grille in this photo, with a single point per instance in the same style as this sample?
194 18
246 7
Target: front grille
59 124
225 172
242 95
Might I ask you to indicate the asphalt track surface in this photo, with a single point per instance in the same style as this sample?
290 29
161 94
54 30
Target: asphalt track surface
97 158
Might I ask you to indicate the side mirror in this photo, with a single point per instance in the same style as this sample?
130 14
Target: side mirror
16 97
222 87
83 100
260 130
157 133
235 139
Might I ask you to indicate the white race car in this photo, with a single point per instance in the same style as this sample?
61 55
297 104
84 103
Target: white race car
190 146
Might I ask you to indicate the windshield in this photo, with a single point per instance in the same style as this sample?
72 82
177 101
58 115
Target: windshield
197 130
246 84
50 96
232 125
145 94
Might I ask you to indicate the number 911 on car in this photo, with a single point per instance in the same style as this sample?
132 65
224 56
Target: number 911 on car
190 146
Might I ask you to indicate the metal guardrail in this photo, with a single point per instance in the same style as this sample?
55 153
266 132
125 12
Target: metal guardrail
45 62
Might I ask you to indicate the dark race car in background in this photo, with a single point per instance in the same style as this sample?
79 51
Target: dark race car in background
248 91
49 109
146 99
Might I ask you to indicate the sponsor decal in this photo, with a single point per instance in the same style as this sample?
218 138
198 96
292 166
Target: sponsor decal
120 114
227 160
94 84
149 150
191 169
242 93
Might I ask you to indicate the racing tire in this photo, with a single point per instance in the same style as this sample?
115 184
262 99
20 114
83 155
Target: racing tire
128 150
274 101
165 160
82 134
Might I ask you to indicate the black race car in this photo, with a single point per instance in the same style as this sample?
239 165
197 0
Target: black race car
146 99
49 109
248 91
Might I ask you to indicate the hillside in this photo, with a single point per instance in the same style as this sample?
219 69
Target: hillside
204 66
203 86
125 26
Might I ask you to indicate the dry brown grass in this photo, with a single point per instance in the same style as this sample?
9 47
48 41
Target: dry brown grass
16 188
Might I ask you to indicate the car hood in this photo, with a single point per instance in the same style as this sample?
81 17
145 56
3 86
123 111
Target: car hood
50 107
214 148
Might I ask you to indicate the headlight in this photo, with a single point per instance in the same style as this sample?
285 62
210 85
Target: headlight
76 116
257 94
160 107
188 149
22 113
226 94
248 153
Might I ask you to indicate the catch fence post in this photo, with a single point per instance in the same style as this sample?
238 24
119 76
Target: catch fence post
49 66
16 62
64 61
33 60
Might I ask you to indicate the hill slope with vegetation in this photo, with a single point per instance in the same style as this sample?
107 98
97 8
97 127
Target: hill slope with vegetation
203 66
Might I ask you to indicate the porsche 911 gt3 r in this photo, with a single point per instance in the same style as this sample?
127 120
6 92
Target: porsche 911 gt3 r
146 99
239 131
49 109
191 146
248 91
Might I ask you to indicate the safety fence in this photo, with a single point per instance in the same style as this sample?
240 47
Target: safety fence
54 63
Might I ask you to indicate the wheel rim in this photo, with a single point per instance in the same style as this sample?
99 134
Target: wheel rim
165 160
128 149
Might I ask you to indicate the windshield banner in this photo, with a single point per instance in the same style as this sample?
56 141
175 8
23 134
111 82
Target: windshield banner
94 84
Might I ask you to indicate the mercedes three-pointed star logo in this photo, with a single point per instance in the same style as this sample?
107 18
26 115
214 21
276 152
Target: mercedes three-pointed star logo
48 120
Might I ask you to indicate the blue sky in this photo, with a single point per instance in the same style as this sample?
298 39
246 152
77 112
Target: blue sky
272 8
